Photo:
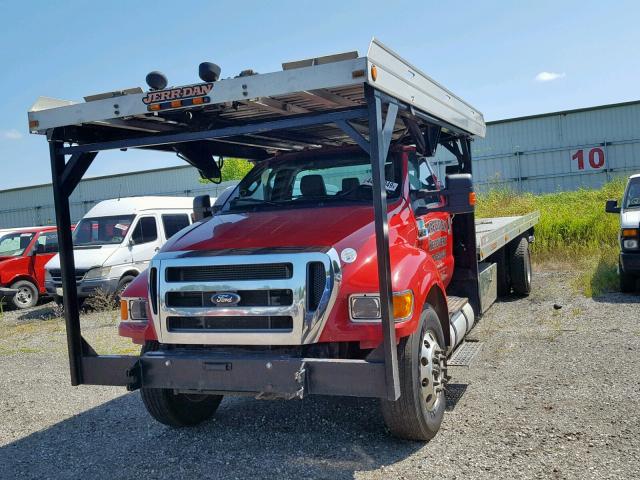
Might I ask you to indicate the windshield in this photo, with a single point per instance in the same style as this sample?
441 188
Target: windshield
14 244
102 230
324 180
632 197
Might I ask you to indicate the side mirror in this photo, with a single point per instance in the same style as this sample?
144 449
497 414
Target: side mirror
201 207
612 206
459 195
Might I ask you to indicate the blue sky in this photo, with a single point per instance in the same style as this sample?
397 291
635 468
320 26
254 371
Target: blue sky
506 58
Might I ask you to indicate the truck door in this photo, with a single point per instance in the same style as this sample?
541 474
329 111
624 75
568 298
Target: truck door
145 241
434 229
46 246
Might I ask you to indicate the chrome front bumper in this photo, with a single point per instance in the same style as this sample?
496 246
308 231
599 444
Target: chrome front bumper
306 323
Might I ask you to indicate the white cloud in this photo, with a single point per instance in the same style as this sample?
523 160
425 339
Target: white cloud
549 76
12 134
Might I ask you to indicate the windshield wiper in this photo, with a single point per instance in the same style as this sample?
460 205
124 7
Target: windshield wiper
253 201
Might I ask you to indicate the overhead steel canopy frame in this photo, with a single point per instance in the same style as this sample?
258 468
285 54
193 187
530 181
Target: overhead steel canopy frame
371 122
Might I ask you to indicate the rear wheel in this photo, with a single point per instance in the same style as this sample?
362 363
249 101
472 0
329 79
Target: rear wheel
419 411
520 267
27 295
177 409
627 281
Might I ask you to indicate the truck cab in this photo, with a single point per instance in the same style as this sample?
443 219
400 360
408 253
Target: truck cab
629 236
23 255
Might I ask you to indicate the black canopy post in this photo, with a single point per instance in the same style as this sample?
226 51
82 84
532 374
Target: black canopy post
379 140
65 177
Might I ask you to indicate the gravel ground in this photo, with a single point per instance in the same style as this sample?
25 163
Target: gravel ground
553 394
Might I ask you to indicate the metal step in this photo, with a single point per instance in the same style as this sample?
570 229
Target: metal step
464 354
455 304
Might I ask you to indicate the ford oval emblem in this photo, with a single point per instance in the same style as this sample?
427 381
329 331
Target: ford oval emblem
225 299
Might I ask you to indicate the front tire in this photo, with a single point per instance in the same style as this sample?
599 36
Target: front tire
123 284
177 409
418 413
27 295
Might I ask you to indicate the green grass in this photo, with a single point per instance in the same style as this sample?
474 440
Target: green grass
574 231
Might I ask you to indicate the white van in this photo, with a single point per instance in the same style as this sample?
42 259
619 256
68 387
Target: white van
116 239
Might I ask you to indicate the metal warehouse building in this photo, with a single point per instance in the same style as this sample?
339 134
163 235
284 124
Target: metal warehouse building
29 206
540 153
558 151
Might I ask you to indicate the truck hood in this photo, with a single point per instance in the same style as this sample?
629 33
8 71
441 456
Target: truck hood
86 258
630 219
301 227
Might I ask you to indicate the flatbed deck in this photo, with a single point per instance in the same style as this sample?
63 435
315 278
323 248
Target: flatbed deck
494 233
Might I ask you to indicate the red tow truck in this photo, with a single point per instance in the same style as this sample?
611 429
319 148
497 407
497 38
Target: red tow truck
23 255
292 284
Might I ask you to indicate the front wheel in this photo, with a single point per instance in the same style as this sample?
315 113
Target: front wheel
177 409
419 411
27 295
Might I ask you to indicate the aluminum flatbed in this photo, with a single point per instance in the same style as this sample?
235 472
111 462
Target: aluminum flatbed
494 233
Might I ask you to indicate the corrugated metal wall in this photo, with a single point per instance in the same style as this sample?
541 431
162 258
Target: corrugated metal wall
544 153
536 154
29 206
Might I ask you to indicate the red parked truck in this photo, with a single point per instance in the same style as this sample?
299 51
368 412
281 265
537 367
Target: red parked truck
293 284
23 255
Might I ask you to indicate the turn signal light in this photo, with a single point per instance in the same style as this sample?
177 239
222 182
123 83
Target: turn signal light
374 73
402 305
629 232
472 199
124 310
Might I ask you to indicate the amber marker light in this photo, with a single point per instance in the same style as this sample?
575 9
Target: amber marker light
124 310
402 305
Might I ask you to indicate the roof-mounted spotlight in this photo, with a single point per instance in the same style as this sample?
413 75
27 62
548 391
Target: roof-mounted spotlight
209 72
156 80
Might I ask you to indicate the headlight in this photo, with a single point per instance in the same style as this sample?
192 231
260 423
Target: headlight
630 244
98 272
135 310
366 308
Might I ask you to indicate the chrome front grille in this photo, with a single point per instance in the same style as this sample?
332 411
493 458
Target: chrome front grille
230 324
249 298
56 275
217 273
280 298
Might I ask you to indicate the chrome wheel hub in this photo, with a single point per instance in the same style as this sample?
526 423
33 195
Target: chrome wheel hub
433 370
24 296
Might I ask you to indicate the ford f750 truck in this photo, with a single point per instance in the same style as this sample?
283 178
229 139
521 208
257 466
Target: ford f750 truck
340 265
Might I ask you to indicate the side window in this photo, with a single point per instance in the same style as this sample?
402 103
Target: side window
172 224
49 242
421 175
146 231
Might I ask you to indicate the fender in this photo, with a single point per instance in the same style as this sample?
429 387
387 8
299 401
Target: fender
17 278
139 333
413 269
